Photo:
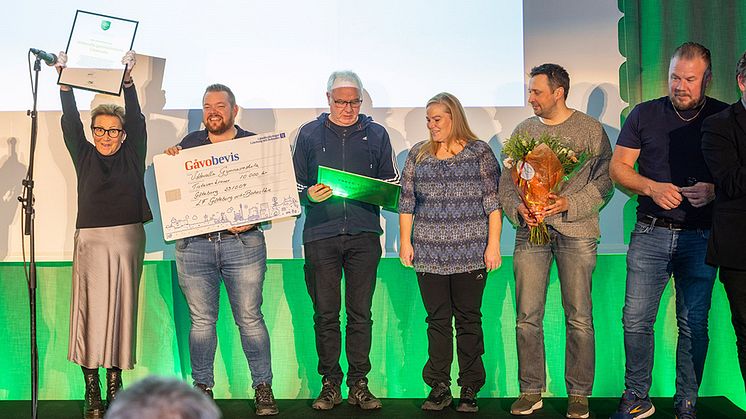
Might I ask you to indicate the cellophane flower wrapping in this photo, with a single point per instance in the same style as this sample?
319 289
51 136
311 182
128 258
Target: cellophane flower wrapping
539 167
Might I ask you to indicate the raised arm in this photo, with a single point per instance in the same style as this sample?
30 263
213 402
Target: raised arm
134 120
72 127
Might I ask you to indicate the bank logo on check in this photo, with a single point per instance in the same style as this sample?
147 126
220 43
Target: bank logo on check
105 25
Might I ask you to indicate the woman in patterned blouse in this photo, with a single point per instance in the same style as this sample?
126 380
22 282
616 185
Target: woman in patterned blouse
450 222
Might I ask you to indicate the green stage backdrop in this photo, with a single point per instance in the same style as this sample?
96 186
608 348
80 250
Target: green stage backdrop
651 30
399 345
648 33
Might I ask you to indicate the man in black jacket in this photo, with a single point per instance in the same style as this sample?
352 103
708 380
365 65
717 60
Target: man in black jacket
342 235
724 149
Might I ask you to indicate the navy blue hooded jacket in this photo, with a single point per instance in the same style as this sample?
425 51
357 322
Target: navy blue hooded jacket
365 150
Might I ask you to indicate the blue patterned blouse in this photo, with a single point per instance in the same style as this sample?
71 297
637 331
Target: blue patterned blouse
451 201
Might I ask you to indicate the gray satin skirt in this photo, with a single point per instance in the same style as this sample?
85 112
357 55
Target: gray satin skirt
107 264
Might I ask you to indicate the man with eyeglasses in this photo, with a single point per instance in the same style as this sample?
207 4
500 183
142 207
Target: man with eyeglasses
342 235
238 258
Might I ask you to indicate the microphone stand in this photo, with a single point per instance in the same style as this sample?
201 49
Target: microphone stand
27 201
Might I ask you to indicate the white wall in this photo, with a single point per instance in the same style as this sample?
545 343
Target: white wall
581 35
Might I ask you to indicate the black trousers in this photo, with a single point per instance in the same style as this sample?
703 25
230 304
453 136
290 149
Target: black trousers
447 297
357 256
735 287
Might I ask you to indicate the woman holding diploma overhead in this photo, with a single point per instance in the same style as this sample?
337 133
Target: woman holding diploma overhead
109 236
450 223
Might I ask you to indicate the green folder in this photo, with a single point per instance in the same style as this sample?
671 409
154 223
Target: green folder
360 188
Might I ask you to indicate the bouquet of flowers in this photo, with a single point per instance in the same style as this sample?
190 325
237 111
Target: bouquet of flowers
539 167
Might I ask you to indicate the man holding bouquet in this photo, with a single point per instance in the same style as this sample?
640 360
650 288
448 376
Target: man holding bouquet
674 213
570 216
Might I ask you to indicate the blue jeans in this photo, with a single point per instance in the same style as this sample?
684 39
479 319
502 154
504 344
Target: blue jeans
240 261
656 253
576 260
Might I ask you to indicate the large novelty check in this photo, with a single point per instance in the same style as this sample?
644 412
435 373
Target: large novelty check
232 183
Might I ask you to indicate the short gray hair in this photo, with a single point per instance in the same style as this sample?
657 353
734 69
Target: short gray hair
108 109
344 75
161 397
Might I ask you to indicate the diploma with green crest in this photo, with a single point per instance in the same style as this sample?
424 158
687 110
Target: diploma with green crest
94 52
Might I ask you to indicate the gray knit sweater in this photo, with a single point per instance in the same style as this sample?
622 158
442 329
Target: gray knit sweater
587 192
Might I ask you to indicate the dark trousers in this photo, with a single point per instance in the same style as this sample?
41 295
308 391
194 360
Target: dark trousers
447 297
357 256
735 288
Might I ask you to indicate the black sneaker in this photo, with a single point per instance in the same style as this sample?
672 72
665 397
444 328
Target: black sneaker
468 400
330 396
631 406
202 388
685 410
439 397
361 396
264 401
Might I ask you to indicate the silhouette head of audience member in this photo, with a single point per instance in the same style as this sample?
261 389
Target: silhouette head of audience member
162 398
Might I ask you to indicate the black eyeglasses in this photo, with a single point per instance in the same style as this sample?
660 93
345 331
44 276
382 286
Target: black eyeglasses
111 132
354 103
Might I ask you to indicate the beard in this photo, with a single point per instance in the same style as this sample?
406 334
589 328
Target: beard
218 127
686 102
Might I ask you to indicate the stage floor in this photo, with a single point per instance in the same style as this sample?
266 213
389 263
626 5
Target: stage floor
708 408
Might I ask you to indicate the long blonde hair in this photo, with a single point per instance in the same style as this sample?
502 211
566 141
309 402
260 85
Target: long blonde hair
460 130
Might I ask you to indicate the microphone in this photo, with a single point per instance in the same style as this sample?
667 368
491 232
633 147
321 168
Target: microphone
47 57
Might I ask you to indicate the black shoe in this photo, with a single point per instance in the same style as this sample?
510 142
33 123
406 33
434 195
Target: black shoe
93 407
631 406
264 401
113 384
439 397
468 400
330 396
202 388
685 410
361 396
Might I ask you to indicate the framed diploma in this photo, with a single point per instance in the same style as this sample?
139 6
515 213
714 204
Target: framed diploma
360 188
228 184
94 52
